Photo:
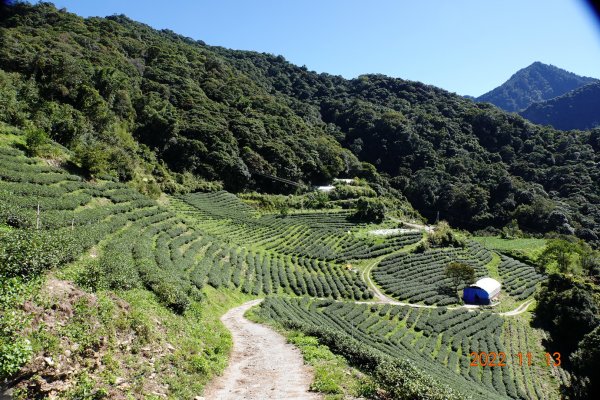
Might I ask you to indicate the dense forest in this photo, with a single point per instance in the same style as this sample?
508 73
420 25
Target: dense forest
535 83
577 109
171 113
105 85
94 111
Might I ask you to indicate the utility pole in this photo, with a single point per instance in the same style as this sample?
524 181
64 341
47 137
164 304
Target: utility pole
37 219
437 219
73 224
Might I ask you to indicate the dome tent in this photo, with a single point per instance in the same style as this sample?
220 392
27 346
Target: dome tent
482 292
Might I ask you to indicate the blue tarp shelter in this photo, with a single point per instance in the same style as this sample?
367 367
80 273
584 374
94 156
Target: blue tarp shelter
482 292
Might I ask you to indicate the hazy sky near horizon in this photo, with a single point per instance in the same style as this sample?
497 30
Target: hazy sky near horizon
465 46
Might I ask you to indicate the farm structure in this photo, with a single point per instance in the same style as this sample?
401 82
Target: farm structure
482 292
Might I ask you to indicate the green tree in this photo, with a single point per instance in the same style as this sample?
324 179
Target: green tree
93 158
35 139
459 273
562 252
567 309
589 260
586 365
317 199
369 210
511 230
282 207
444 236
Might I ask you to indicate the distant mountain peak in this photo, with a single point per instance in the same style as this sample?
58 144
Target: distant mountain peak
535 83
577 109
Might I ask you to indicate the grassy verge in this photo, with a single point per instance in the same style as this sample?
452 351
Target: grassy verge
125 344
529 248
334 377
201 342
492 267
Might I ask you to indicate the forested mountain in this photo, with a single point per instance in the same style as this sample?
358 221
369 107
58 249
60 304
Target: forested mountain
475 164
577 109
164 110
537 82
92 84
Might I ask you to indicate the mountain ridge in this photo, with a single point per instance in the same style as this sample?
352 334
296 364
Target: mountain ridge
534 83
577 109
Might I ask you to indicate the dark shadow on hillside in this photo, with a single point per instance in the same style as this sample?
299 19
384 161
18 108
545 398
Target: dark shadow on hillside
446 291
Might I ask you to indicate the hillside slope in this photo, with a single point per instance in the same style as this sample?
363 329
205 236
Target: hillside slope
474 164
171 113
156 277
577 109
122 93
537 82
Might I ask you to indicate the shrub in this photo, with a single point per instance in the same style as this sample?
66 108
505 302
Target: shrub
401 380
13 354
369 210
443 236
15 350
35 139
27 253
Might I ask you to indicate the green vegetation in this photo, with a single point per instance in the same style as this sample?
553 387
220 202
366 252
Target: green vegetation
502 168
136 345
522 248
535 381
533 84
113 107
437 341
584 360
459 274
519 279
173 114
145 114
319 235
369 210
183 263
420 276
569 309
572 110
569 255
15 350
442 236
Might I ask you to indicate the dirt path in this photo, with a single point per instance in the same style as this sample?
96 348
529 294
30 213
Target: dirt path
519 310
426 228
262 365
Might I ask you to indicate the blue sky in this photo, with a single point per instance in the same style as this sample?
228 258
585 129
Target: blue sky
465 46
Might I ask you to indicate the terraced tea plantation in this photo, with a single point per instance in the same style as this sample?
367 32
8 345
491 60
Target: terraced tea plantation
74 213
145 244
519 279
215 239
438 341
325 236
419 277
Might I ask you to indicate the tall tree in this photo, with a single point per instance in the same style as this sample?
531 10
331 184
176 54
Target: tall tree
459 273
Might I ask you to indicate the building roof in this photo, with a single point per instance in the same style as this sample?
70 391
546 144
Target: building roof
328 188
490 285
345 180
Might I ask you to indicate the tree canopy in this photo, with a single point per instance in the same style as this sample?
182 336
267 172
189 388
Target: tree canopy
170 108
459 274
369 210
